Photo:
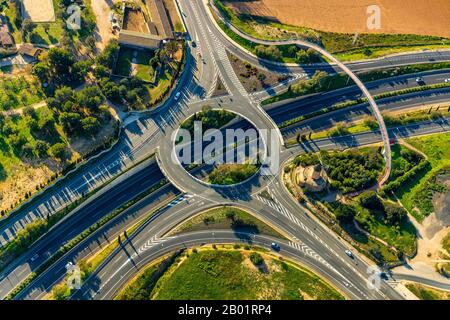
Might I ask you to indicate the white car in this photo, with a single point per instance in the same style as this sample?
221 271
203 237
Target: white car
177 96
34 258
447 80
349 253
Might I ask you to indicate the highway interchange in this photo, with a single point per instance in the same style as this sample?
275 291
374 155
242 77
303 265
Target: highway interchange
308 241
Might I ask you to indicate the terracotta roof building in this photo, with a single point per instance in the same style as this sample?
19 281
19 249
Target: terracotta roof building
29 50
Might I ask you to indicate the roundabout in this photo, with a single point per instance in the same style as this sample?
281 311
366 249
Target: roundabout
265 137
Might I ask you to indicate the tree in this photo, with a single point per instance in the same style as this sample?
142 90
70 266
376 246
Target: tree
41 148
29 112
90 125
71 122
112 91
256 258
370 200
60 60
394 213
58 151
109 55
345 213
80 69
90 97
42 71
268 52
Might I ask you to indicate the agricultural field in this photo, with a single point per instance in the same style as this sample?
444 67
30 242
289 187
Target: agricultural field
229 274
280 19
349 16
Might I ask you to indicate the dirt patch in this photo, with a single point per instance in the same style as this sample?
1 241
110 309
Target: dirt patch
134 21
26 176
350 16
172 13
254 79
103 32
38 10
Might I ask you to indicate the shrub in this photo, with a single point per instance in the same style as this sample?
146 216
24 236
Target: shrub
370 200
256 258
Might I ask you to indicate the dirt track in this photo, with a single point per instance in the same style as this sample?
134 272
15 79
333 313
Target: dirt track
424 17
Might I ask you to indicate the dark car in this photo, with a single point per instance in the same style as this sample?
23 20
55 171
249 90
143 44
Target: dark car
275 246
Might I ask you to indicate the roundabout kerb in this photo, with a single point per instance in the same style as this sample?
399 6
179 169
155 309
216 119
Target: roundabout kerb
270 150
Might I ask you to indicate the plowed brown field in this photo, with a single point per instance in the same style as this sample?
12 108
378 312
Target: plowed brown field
423 17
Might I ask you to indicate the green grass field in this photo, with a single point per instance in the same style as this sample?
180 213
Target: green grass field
416 195
143 69
227 218
229 275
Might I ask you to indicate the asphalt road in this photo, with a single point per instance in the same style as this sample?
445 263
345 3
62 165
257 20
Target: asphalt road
143 135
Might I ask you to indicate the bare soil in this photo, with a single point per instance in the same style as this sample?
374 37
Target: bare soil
134 21
422 17
172 12
102 9
253 79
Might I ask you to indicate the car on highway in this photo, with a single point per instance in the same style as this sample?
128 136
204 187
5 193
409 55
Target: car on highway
275 246
420 81
193 44
34 258
177 96
349 253
447 80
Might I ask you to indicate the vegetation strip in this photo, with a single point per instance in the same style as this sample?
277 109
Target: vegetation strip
88 266
343 105
321 81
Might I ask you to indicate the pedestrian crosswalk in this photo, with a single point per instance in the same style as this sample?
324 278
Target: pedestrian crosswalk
297 244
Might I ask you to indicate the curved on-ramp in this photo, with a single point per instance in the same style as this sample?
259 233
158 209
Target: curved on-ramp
358 82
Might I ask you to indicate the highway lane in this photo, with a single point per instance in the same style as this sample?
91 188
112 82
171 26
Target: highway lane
425 281
130 185
342 142
248 202
134 143
107 281
361 111
309 103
